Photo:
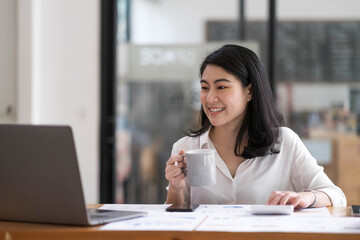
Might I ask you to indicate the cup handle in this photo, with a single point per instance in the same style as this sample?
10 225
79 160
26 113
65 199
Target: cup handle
184 171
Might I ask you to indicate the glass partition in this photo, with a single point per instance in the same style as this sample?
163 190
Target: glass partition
161 44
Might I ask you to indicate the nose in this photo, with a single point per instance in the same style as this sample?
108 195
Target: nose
212 97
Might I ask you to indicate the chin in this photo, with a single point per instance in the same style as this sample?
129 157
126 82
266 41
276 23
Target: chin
216 123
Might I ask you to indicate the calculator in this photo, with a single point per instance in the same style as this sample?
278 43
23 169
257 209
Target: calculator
272 209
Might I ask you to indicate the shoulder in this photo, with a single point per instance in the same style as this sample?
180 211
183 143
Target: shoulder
288 138
287 134
290 141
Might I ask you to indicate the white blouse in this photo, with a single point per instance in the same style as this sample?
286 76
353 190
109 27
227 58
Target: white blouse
293 169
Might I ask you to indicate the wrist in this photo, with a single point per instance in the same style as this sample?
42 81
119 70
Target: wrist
175 195
313 204
174 188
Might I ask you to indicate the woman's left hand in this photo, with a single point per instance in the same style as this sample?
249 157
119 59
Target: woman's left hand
298 200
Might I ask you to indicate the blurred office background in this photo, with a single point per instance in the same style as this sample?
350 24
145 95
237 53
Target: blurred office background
50 61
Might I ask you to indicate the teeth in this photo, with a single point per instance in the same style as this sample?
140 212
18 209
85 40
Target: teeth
216 109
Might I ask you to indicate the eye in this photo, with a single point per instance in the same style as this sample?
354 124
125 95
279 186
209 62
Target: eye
221 87
204 88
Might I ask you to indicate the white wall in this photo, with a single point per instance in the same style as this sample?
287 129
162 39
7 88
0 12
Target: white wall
59 72
174 21
318 9
177 22
7 60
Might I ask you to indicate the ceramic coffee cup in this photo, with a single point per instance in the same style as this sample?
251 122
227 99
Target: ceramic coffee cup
201 167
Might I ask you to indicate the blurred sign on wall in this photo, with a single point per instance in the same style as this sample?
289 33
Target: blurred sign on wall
172 62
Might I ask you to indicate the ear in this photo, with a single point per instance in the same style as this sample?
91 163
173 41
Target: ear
248 93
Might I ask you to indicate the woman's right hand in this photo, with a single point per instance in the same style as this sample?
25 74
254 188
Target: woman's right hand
174 174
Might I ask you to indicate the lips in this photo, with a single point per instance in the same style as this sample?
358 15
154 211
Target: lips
216 109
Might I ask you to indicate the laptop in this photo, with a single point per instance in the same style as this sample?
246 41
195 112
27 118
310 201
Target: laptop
40 179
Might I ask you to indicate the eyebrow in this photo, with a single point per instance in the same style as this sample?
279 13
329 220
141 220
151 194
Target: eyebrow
216 81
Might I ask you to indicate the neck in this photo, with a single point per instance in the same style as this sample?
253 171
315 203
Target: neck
226 137
224 133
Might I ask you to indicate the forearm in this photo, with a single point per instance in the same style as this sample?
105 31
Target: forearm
316 199
303 199
175 196
323 200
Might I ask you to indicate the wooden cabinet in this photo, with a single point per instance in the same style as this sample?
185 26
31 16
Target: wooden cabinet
344 169
347 156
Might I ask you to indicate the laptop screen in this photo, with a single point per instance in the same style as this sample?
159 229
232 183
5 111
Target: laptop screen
40 179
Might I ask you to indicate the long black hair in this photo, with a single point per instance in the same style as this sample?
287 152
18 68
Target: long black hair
262 120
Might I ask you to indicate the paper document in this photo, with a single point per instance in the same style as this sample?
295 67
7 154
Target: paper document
156 220
312 212
231 218
281 224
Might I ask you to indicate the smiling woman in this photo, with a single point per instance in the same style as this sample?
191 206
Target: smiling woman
243 81
259 161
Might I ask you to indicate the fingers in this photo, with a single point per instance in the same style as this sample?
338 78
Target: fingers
174 170
280 198
176 160
287 198
275 198
174 174
176 178
297 202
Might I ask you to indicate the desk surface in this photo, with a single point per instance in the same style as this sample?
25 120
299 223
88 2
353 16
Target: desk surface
13 230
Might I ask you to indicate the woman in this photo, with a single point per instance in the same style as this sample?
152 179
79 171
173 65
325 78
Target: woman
258 160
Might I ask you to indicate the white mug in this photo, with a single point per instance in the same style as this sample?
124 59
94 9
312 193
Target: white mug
201 167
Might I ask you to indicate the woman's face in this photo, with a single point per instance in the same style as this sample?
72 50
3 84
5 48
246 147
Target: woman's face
223 97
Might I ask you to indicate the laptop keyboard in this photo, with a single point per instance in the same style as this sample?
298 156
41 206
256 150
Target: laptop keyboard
100 216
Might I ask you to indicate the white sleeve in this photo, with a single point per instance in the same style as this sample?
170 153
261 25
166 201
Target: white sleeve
307 174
